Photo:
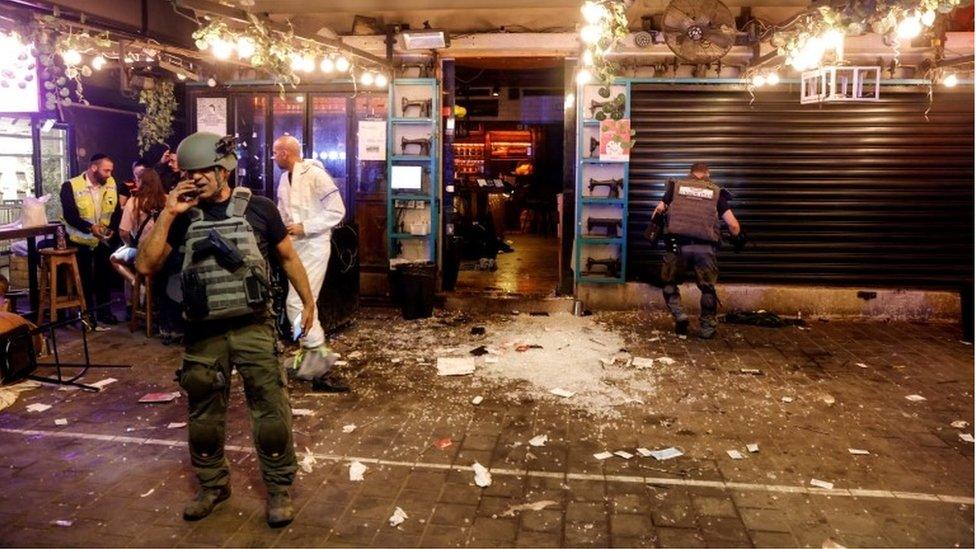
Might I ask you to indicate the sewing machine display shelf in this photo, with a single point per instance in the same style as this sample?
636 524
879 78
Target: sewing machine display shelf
603 200
412 121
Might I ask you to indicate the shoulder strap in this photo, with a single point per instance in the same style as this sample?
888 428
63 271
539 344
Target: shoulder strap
238 202
142 226
196 214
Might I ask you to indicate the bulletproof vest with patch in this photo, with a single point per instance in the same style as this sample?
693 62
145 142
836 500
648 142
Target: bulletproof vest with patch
217 284
693 211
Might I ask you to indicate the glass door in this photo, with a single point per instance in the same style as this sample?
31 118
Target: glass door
330 124
288 117
251 127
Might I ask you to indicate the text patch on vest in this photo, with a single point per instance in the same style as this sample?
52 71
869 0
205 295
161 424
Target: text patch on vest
696 192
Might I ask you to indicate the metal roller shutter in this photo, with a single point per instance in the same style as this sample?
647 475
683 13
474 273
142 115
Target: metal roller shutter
867 194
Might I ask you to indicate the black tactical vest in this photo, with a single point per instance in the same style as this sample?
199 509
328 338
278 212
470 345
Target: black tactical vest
693 211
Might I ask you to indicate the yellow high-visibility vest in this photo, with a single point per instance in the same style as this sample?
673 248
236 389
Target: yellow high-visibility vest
86 208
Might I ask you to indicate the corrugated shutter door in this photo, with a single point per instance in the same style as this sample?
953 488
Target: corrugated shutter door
867 194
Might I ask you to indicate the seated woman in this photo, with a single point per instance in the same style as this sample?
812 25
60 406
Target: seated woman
138 216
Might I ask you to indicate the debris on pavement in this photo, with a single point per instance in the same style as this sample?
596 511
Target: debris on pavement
959 424
735 454
104 383
966 437
603 455
481 475
829 543
455 366
398 517
308 460
829 400
38 407
176 425
858 452
753 448
9 394
787 399
915 398
479 351
861 365
300 412
643 363
534 506
539 440
477 330
667 453
159 398
443 443
147 494
761 318
61 421
526 346
750 371
349 428
623 454
63 523
644 452
562 392
822 484
356 471
477 400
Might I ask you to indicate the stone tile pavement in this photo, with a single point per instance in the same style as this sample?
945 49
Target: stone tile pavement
116 475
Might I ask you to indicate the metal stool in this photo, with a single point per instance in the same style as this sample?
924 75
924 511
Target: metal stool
145 311
53 260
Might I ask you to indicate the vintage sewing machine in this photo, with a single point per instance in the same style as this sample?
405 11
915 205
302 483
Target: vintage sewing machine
422 142
608 224
611 266
422 105
614 186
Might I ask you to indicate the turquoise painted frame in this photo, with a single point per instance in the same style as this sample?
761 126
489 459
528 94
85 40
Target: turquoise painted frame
432 161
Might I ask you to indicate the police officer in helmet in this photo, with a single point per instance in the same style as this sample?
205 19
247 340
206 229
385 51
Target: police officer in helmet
692 207
228 238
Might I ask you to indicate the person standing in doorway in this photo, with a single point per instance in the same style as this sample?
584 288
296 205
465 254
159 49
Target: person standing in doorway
311 206
91 214
229 238
693 206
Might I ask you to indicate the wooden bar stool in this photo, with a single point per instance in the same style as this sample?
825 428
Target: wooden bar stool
53 261
139 308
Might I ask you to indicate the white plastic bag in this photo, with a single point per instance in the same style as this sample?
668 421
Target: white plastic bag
32 212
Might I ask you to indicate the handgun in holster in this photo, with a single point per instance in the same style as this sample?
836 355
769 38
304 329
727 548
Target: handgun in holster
225 252
655 229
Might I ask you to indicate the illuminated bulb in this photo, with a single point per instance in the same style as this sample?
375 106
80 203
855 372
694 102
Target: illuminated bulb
772 79
594 12
590 34
928 18
910 27
245 47
570 100
300 99
98 62
71 57
381 80
588 58
342 64
296 62
327 65
308 63
366 79
758 80
212 82
181 76
222 49
202 45
950 81
833 39
583 76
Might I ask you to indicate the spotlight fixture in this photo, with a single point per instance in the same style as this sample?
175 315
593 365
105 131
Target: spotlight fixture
950 81
327 65
342 64
426 39
98 62
381 80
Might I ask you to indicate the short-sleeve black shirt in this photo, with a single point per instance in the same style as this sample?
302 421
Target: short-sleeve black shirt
261 213
723 198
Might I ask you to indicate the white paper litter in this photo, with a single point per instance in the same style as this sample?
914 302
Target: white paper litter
822 484
643 363
861 365
481 475
966 437
299 412
858 452
665 360
667 453
558 391
147 494
176 425
534 506
307 461
915 398
750 371
61 421
455 366
831 544
63 523
38 407
625 455
960 424
787 399
104 383
539 440
644 452
735 454
752 447
356 471
348 428
398 517
603 455
477 400
491 360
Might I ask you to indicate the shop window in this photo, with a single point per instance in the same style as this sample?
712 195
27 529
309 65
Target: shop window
329 128
370 174
250 127
288 113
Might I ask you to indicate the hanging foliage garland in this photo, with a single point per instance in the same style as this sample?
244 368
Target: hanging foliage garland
156 124
606 26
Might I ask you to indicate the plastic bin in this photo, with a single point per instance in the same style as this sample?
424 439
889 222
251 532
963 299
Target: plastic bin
412 287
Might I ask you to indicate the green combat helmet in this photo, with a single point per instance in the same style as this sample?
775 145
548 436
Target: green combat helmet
203 150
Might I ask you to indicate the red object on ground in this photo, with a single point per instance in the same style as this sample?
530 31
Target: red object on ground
443 443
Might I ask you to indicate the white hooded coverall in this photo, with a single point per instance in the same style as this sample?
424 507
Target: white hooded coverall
312 199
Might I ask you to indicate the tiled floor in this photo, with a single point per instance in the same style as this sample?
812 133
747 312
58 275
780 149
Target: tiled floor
116 475
531 270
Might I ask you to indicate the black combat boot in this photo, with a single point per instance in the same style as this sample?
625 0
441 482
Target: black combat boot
280 510
681 325
204 503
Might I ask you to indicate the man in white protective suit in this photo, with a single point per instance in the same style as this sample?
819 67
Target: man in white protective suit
311 206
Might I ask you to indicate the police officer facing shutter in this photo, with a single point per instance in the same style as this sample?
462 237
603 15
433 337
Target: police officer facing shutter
694 206
228 237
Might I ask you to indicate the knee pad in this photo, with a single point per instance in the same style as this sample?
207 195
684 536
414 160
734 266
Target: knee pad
272 436
206 437
199 382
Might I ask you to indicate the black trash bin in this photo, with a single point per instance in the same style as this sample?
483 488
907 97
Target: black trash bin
412 286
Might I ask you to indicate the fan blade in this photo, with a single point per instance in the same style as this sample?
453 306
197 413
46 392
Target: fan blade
719 38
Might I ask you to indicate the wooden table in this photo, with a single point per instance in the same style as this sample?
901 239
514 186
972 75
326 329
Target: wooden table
33 258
